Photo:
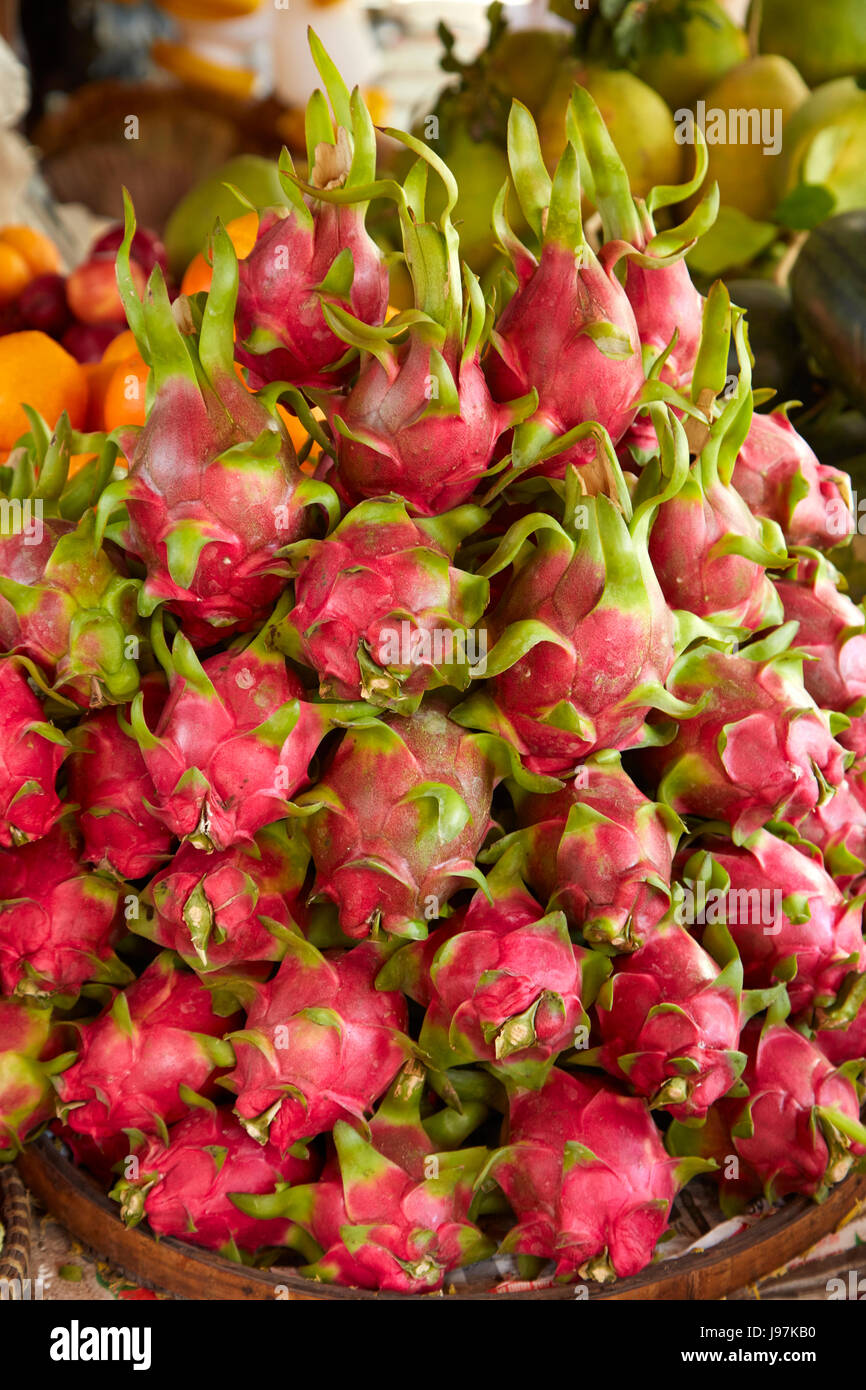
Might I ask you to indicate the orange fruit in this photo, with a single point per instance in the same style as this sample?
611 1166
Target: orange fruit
242 232
14 273
77 462
40 254
36 371
121 347
126 394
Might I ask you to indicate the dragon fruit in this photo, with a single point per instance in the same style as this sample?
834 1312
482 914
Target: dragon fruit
30 1055
143 1063
58 920
403 809
68 605
838 828
231 906
670 1020
420 420
393 1212
832 632
588 1178
600 851
759 749
779 477
380 609
67 608
569 333
112 791
811 937
183 1185
308 255
501 982
214 489
667 307
320 1043
798 1128
233 742
709 552
31 751
840 1031
584 638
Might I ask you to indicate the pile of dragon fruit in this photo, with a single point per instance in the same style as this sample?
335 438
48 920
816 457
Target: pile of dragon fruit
448 840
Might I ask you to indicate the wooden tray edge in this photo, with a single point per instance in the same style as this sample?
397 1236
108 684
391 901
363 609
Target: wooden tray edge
74 1198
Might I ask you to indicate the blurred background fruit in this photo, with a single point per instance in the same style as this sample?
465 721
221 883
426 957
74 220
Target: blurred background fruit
825 145
680 49
189 226
746 173
824 38
36 370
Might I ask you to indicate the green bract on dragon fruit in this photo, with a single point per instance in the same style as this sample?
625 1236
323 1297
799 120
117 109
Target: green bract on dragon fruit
443 838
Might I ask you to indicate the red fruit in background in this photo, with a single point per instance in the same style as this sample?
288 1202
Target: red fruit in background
42 305
10 318
88 341
147 250
92 293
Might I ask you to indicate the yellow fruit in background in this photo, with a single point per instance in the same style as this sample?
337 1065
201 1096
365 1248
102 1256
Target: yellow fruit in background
747 177
524 64
825 143
191 67
680 57
640 123
824 38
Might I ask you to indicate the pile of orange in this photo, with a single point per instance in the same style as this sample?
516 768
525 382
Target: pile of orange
24 254
107 395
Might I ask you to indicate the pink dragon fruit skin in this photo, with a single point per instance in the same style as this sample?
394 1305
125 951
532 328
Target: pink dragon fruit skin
315 251
838 828
779 477
832 632
569 332
586 1173
320 1043
30 1055
783 911
142 1062
372 600
584 641
759 749
601 851
391 1212
231 906
670 1021
667 308
184 1186
278 303
501 982
797 1130
404 810
31 751
214 489
58 920
420 420
710 554
232 745
840 1031
112 790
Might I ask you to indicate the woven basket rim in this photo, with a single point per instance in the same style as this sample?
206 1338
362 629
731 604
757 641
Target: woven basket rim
16 1220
